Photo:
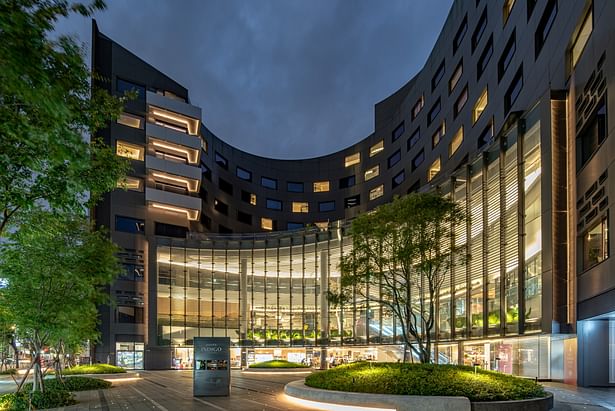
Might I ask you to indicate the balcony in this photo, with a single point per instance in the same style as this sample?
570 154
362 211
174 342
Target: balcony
173 136
174 203
170 167
174 105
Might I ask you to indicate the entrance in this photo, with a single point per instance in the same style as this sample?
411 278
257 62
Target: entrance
129 355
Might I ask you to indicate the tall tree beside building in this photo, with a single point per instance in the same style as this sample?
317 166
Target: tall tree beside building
55 270
401 255
47 107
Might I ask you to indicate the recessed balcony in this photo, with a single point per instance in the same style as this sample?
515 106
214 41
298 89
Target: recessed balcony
172 167
173 203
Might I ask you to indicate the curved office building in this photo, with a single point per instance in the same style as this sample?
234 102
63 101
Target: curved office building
509 116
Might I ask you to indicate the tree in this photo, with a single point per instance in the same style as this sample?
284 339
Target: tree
47 106
400 257
55 268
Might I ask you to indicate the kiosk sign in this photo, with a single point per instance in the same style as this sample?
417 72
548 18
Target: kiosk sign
212 366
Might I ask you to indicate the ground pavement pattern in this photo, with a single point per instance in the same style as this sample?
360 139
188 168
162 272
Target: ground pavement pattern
172 391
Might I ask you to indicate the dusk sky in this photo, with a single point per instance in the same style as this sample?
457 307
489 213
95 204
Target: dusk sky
278 78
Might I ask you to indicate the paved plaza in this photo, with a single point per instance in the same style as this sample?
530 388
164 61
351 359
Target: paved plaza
172 391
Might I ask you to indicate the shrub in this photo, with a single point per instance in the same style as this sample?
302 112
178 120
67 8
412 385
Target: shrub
426 379
94 369
51 398
9 371
278 364
76 384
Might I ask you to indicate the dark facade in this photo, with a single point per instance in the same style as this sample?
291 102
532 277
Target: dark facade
510 116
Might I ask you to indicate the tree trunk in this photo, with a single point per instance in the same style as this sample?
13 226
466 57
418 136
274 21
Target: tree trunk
405 352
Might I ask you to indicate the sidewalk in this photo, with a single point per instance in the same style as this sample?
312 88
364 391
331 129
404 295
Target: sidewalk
570 397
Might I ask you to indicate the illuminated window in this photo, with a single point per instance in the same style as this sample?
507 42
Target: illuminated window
418 106
322 225
248 197
376 148
321 186
455 77
480 105
508 5
131 183
130 120
266 224
434 169
374 193
300 207
596 244
131 151
352 159
437 136
579 43
372 172
455 143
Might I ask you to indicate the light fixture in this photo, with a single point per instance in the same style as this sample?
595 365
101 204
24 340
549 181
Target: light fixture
190 214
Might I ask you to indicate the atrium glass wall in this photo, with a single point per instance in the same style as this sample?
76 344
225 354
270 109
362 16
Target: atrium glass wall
264 291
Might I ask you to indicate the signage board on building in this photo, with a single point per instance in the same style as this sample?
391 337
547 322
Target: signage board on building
212 366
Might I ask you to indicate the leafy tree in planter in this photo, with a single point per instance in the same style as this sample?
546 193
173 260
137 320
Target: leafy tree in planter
47 106
55 268
404 249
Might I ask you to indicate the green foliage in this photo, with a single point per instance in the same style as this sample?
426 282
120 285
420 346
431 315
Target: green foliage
51 398
425 379
94 369
278 364
405 250
74 384
10 371
48 106
56 269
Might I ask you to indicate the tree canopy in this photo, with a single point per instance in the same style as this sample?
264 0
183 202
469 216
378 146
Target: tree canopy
55 269
47 108
400 257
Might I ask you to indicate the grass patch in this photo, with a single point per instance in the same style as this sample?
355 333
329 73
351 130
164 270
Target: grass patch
278 364
94 369
425 379
10 371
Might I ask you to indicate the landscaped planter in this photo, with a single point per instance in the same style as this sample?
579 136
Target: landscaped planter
297 389
278 370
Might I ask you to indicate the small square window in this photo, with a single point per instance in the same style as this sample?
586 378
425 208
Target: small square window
129 225
221 161
244 174
480 106
418 106
507 55
455 142
433 112
461 33
376 148
479 30
484 58
266 224
131 120
513 90
372 172
544 26
437 77
418 159
326 206
434 169
274 204
452 82
294 187
377 192
321 186
300 207
399 130
394 159
128 150
269 183
352 201
220 207
347 182
461 101
131 183
582 37
414 138
399 178
352 159
438 135
248 197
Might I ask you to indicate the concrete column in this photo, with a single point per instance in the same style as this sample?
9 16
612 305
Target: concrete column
324 309
243 319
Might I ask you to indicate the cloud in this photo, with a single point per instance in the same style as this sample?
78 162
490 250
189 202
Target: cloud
279 78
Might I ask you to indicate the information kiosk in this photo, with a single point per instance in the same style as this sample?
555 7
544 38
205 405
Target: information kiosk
212 366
